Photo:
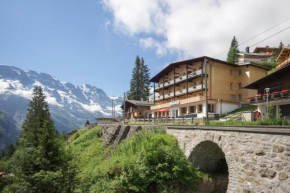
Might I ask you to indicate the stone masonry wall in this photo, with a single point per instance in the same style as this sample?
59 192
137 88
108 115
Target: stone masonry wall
258 162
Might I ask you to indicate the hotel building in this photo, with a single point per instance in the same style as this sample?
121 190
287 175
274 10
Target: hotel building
179 89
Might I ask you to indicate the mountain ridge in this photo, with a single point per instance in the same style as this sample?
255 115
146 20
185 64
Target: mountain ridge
70 105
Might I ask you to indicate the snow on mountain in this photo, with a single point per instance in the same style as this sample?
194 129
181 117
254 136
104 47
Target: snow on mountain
70 105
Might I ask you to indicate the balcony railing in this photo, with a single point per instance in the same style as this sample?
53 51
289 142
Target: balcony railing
168 95
180 92
158 98
179 79
274 96
195 88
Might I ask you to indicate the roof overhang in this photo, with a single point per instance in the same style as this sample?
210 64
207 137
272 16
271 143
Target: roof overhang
170 67
282 54
268 78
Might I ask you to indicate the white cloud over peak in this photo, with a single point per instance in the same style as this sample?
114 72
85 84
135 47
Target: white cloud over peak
199 27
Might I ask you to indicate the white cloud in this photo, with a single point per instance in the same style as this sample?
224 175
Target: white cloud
200 27
161 49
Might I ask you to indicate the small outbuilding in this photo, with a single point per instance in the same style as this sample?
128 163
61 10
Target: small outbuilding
137 109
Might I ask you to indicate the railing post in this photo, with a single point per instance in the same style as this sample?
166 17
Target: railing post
182 120
191 120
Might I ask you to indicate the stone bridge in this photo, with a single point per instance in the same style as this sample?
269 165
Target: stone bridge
253 159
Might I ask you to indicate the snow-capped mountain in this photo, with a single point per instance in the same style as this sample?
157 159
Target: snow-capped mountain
70 105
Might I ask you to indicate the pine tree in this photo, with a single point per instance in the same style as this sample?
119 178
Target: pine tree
11 150
281 45
39 163
144 80
233 51
87 123
139 84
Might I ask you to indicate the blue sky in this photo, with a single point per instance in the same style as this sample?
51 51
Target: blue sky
96 41
69 40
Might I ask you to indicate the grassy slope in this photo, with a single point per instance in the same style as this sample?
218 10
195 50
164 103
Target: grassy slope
239 110
100 174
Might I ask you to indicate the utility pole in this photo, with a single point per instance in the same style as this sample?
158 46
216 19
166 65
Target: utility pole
206 98
124 104
113 109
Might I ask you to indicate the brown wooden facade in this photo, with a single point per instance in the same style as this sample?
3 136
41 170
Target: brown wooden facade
136 109
185 82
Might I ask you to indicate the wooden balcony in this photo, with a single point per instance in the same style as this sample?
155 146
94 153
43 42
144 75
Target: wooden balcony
274 96
179 80
180 92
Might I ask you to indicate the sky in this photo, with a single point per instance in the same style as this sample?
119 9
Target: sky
96 41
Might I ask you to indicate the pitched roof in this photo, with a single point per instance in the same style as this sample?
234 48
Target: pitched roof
282 54
138 103
259 49
253 54
169 67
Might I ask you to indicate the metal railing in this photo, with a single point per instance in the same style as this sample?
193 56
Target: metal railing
179 79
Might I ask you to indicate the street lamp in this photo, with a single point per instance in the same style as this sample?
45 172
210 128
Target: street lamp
267 90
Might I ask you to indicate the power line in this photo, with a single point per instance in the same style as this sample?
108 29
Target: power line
270 36
265 31
259 35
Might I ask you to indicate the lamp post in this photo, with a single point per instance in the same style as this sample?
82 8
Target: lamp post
267 90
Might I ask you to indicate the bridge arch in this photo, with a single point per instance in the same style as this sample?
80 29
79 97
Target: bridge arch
222 154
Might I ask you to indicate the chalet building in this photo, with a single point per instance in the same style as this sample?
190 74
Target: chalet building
259 55
267 51
274 89
137 109
179 89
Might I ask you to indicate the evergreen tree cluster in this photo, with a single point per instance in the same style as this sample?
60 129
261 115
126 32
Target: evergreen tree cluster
40 162
233 52
139 85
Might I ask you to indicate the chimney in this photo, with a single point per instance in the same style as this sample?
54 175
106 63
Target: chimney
247 49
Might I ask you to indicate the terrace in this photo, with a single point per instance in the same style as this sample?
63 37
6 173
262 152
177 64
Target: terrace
276 96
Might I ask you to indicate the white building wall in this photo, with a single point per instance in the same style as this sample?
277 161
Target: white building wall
227 107
262 109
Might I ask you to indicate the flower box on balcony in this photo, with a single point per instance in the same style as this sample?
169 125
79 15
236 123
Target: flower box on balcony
252 99
276 94
285 93
267 95
259 97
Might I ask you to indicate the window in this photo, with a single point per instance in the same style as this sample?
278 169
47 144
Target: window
233 97
240 72
231 72
183 110
240 97
192 109
239 85
231 86
210 108
200 108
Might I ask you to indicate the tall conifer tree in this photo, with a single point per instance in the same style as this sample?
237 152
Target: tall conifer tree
233 51
40 163
139 84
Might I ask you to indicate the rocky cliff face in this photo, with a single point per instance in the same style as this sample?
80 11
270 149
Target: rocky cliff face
70 105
